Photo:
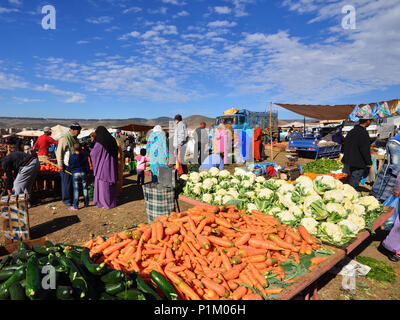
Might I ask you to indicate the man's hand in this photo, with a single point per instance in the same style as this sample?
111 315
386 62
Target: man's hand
9 192
396 193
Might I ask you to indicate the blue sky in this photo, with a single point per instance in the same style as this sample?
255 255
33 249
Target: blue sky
151 58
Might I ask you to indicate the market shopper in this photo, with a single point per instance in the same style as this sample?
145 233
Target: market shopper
121 165
180 140
104 157
43 144
79 167
257 142
157 151
200 142
64 150
213 161
21 170
221 137
142 160
357 152
385 181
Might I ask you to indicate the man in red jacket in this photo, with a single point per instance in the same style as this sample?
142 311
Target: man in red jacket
43 143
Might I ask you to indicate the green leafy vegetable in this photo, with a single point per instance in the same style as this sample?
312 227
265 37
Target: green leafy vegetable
380 271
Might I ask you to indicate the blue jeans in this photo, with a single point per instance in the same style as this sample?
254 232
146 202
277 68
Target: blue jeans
77 178
66 187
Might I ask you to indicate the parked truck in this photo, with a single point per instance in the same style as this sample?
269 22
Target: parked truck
240 117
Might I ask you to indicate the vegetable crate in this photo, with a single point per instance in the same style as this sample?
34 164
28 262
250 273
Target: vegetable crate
12 247
15 218
289 173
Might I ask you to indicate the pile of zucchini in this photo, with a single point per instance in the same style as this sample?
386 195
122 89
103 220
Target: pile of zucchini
76 277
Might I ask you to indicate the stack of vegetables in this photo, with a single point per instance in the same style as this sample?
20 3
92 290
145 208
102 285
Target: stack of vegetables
322 166
76 276
48 169
214 253
327 208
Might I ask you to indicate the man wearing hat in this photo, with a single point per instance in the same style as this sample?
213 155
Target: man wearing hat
357 152
42 145
64 150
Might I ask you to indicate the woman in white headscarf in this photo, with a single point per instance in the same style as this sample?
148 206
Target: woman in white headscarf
157 151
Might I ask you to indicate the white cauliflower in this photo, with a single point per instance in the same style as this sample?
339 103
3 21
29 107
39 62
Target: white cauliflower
286 216
184 177
357 220
358 209
195 177
370 202
286 188
286 200
208 184
333 230
274 210
304 181
251 207
352 227
328 180
203 174
349 192
310 224
239 172
213 171
222 192
246 184
348 205
280 182
310 199
235 181
296 211
226 199
214 180
336 207
233 193
265 193
224 174
260 179
218 199
335 195
207 198
197 190
251 195
339 184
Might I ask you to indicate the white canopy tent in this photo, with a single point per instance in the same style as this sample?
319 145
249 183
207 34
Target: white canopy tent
58 131
30 133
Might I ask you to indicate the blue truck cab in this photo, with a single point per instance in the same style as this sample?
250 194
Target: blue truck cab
243 116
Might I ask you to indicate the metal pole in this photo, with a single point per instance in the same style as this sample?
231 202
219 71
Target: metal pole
304 131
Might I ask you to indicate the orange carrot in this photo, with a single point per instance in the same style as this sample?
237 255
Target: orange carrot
220 242
261 244
317 260
212 285
172 230
239 293
116 246
242 239
305 235
252 296
234 272
282 243
225 261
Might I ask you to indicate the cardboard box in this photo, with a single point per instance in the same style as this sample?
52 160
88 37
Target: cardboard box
15 218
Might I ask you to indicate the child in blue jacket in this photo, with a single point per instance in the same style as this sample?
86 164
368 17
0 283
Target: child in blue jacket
79 167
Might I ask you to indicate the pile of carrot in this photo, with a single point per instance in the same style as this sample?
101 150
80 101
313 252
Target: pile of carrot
208 252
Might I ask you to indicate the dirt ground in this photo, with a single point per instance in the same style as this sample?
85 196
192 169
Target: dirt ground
53 219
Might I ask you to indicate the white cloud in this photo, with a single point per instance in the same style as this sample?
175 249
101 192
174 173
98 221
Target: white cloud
223 10
162 10
15 2
7 10
11 81
174 2
181 14
132 9
74 96
221 24
82 42
26 100
100 20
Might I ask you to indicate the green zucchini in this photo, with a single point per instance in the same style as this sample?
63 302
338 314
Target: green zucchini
142 285
33 278
5 261
77 278
114 288
17 276
75 247
164 285
17 292
48 244
131 294
65 293
23 283
6 274
41 250
4 293
23 251
43 260
93 268
73 255
113 276
106 296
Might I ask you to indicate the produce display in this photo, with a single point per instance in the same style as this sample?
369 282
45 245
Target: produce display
214 253
322 166
76 276
48 169
330 210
